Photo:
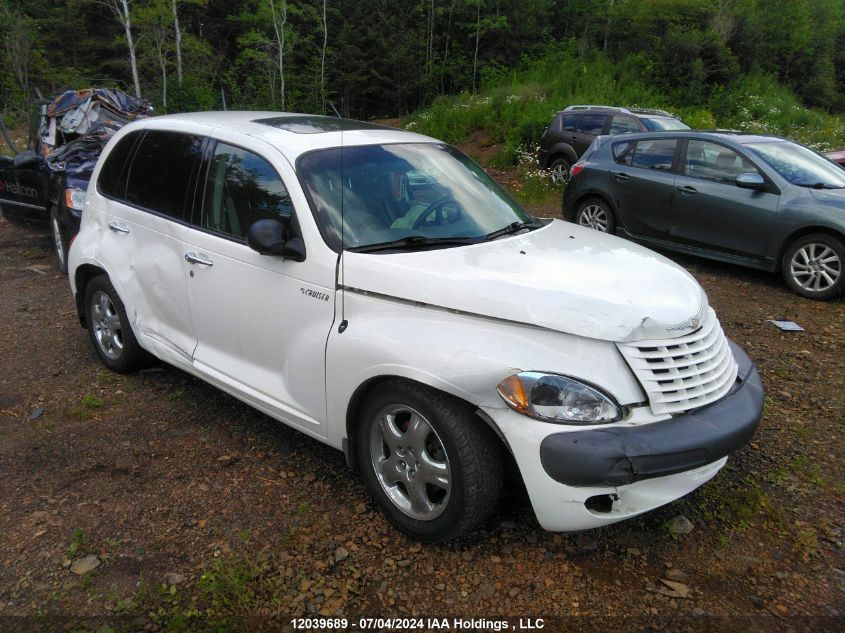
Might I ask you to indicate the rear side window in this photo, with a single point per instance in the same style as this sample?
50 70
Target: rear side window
569 122
591 123
623 124
162 171
112 179
242 189
651 154
620 149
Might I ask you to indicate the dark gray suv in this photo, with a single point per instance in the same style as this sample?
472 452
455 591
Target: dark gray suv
573 129
753 200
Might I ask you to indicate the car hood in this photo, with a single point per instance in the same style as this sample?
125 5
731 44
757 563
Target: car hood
835 197
562 277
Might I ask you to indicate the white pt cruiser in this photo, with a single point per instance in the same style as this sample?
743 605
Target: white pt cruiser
376 290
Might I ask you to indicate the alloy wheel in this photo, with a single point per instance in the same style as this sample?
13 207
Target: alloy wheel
105 321
560 173
57 241
815 267
410 462
593 216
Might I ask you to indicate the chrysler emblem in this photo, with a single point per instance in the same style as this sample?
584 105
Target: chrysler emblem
694 323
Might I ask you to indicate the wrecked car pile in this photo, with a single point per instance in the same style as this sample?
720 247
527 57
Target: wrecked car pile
47 182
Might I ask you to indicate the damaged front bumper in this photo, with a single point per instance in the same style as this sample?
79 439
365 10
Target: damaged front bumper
586 478
613 456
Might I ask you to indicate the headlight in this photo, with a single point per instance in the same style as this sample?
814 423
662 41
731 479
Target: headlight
75 199
554 398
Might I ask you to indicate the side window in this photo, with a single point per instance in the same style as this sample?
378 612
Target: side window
161 173
569 122
623 124
651 154
621 151
112 179
591 123
715 162
242 189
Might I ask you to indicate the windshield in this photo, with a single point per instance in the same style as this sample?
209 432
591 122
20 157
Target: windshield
386 193
664 123
799 165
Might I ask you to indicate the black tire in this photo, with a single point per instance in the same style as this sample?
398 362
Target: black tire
454 438
109 328
814 266
596 214
559 170
60 241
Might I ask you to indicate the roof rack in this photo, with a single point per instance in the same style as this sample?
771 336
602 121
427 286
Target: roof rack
617 109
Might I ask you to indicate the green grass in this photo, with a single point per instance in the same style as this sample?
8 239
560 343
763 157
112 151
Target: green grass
515 106
78 542
86 407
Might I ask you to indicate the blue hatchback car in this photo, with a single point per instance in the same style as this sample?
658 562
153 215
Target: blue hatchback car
754 200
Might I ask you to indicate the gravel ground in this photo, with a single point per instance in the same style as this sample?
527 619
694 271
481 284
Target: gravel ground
154 502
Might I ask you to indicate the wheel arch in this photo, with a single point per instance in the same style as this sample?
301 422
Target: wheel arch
561 150
81 277
359 397
798 234
582 198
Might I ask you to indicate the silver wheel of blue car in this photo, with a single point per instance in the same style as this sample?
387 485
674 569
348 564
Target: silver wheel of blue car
812 266
59 241
595 214
816 267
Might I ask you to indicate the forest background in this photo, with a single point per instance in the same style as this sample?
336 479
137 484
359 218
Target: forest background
446 67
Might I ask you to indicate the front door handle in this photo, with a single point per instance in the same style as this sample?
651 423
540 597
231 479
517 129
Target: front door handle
618 175
118 228
193 258
687 189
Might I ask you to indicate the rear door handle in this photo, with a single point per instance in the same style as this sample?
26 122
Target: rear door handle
118 228
687 189
620 176
193 258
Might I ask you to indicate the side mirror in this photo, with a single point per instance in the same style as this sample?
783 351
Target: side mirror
27 159
269 237
750 180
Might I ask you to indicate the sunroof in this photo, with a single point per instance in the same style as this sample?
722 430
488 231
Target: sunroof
314 124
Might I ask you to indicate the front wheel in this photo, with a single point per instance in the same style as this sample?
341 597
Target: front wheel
812 266
432 466
109 329
60 242
596 214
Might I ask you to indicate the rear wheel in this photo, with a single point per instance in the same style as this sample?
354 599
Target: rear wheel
596 214
812 266
109 329
60 242
433 467
560 171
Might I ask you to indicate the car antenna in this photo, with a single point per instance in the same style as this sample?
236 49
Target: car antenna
337 114
341 259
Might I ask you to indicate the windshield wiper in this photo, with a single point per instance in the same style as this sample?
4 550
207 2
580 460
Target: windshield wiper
414 241
514 227
818 185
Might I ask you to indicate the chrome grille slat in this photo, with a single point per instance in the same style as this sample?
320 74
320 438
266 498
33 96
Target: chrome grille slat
684 373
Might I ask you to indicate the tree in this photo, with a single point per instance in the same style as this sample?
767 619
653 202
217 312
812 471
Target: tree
120 10
279 29
323 58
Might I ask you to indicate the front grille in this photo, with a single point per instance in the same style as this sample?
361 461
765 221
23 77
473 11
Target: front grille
684 373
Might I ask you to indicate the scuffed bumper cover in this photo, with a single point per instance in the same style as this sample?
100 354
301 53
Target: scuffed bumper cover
615 456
